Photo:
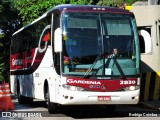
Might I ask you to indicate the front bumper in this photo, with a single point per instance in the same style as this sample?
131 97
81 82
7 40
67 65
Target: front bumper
67 97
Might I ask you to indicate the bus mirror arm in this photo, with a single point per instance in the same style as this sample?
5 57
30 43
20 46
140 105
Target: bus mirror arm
58 40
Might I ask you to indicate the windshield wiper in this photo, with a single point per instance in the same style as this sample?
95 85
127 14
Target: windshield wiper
119 68
86 75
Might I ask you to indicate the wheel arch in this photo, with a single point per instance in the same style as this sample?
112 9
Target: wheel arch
49 85
45 87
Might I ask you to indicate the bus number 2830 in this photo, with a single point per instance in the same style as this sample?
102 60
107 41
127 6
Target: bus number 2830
127 82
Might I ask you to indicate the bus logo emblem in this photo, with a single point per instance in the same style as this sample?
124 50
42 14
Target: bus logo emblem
40 40
103 88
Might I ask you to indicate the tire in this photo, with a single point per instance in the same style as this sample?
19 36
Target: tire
29 100
52 107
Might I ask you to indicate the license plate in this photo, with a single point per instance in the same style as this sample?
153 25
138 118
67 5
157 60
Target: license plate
104 98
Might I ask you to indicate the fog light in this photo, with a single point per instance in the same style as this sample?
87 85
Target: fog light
66 97
135 98
71 98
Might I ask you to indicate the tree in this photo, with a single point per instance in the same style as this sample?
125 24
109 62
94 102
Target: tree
29 10
9 23
115 3
106 3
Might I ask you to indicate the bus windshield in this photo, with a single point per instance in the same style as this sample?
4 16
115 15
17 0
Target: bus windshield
99 44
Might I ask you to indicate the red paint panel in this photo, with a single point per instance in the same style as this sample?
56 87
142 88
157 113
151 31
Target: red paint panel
21 60
102 85
46 37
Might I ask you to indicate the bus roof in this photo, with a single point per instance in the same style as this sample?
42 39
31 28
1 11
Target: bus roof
93 8
87 8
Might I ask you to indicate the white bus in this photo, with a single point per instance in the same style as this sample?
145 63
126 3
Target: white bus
64 57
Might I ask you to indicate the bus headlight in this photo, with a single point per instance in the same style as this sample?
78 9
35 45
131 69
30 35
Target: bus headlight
131 88
73 88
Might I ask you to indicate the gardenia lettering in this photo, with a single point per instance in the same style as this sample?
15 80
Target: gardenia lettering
83 82
16 62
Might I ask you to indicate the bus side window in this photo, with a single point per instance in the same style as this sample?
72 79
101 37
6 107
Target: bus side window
145 40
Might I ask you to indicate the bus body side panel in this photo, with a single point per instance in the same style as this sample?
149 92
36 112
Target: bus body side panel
45 72
21 71
32 85
13 84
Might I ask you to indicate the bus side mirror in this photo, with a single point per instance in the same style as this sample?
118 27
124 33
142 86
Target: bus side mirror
58 40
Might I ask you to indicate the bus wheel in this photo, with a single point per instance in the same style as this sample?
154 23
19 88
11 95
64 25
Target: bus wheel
52 107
